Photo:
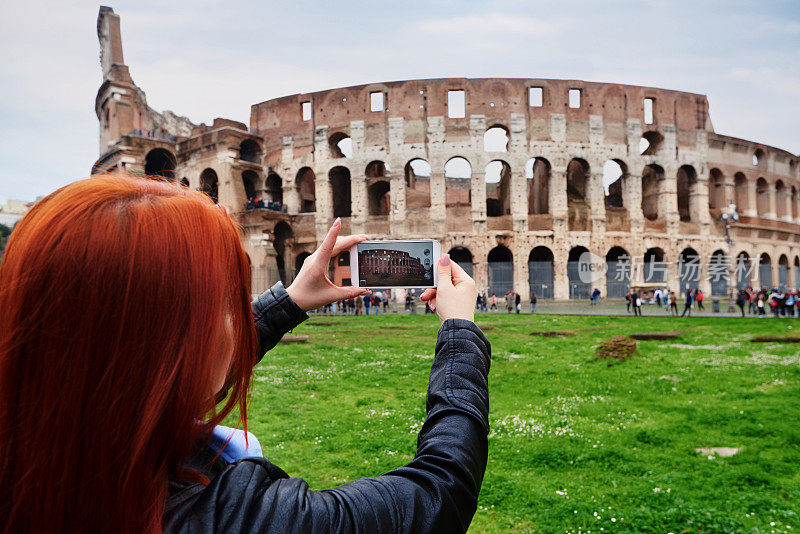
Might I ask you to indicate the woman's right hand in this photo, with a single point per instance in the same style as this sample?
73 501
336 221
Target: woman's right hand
454 296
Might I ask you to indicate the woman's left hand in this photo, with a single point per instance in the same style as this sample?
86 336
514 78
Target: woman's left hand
311 288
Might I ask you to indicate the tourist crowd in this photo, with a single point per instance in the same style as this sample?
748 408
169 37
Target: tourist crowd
778 302
362 305
258 203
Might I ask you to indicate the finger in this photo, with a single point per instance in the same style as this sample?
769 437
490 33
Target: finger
351 292
432 304
428 294
326 248
444 271
345 242
459 274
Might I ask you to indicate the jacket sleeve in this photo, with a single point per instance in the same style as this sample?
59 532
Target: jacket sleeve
436 492
274 313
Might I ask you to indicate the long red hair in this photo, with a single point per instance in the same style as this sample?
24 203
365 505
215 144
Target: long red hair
114 293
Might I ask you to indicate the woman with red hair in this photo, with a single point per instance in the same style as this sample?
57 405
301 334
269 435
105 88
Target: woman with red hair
127 335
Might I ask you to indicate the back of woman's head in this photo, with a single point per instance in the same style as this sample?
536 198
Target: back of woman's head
114 294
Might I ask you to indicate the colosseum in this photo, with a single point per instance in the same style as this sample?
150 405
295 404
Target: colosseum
517 178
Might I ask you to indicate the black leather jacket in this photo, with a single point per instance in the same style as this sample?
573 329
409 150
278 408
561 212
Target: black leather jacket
436 492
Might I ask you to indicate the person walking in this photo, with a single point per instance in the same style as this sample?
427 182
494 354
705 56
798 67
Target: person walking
367 303
494 302
517 302
628 301
483 301
700 299
533 302
687 307
510 301
637 304
673 304
741 297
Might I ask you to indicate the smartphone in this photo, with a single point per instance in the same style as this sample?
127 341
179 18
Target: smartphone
395 264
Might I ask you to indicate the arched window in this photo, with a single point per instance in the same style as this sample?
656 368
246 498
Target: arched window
741 198
306 186
655 266
783 272
687 185
457 175
618 273
498 188
341 145
495 139
379 198
614 171
650 143
160 162
795 200
718 274
743 270
540 272
537 172
250 151
716 191
762 197
274 191
688 269
501 270
765 270
340 187
282 234
652 178
580 283
759 158
375 169
780 200
250 181
463 257
577 178
298 261
418 184
209 184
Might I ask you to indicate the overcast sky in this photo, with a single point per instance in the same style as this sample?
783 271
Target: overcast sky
206 59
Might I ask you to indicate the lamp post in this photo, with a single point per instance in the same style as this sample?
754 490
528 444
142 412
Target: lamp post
730 216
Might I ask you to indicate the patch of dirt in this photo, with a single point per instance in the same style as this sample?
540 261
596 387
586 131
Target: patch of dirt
776 339
294 339
672 378
657 335
556 333
724 452
619 348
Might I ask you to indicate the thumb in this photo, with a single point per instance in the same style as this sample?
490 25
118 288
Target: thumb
444 271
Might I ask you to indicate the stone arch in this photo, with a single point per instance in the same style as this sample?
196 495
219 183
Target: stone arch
250 182
687 189
495 139
740 196
780 199
501 270
614 172
209 184
652 180
688 269
273 190
618 272
783 272
250 150
795 201
305 182
743 270
418 184
298 261
341 145
498 188
762 197
797 272
282 240
375 170
537 172
540 272
759 158
765 270
580 287
457 177
160 162
718 273
650 143
339 178
463 257
655 265
379 198
577 180
717 200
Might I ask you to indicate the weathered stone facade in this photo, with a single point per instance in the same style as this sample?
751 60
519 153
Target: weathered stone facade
377 154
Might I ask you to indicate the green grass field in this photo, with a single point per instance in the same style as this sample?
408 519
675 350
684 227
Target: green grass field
575 445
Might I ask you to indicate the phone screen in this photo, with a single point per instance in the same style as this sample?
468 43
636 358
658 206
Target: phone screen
395 264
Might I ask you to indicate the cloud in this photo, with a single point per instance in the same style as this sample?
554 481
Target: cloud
486 26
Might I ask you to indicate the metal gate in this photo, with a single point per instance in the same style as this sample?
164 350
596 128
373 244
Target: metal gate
719 285
655 271
796 277
467 266
742 274
689 273
540 279
765 275
783 276
618 279
501 277
577 288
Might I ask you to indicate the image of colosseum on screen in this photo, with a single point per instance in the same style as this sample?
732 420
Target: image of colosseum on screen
517 178
407 264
